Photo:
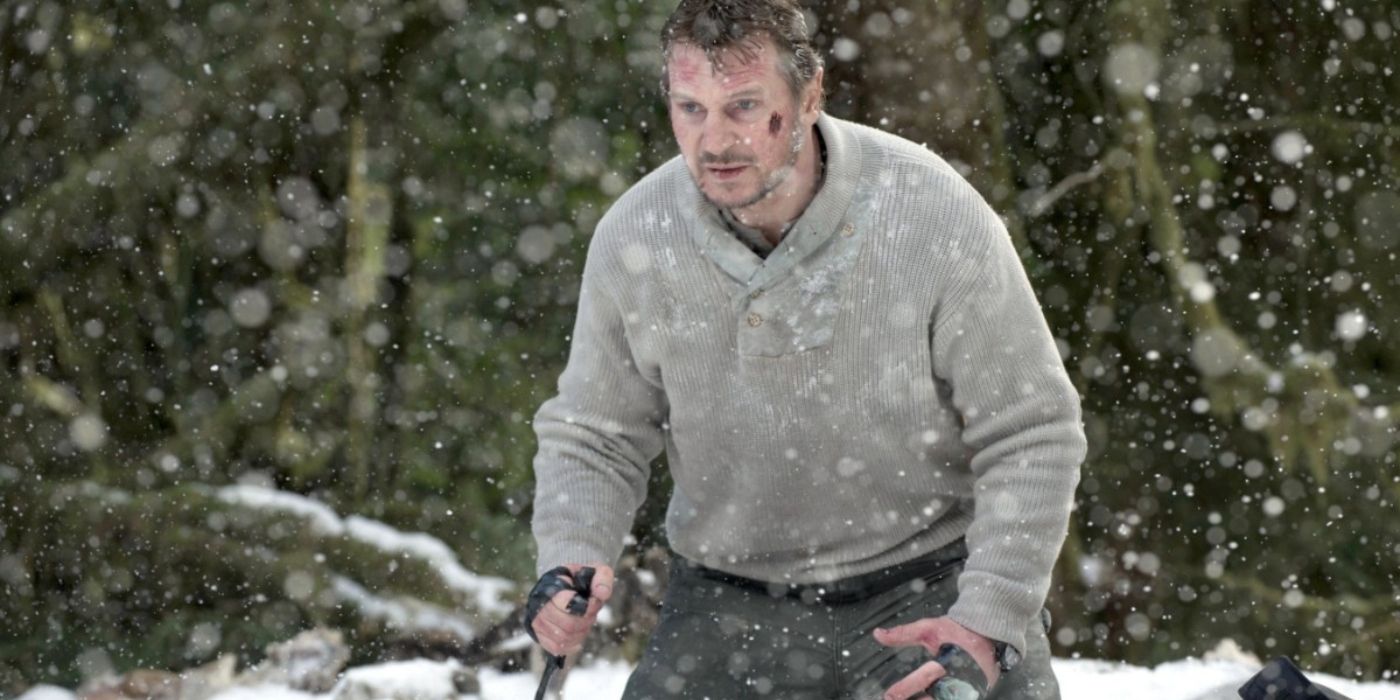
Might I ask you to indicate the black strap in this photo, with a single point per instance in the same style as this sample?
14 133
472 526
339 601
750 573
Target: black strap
550 584
964 679
552 663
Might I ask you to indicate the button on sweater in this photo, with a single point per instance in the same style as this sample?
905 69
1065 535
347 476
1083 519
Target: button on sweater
880 384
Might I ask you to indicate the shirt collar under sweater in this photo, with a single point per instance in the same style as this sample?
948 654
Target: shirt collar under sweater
821 220
755 238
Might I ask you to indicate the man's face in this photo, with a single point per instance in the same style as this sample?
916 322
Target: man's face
737 125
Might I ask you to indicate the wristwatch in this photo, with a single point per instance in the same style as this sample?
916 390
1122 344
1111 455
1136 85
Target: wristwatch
1007 656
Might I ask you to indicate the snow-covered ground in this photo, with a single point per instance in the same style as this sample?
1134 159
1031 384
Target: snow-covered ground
1189 679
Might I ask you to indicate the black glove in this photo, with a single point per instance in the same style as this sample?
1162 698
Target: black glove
558 579
964 679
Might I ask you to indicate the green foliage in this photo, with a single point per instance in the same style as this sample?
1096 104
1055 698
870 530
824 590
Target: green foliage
1192 188
173 578
182 248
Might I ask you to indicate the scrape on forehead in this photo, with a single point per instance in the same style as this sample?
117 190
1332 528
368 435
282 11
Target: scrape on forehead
732 65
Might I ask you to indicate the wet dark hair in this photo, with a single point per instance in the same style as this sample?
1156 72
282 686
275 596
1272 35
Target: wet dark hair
718 25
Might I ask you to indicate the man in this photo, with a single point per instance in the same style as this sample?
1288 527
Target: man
873 439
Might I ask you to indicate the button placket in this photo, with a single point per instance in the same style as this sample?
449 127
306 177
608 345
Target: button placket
754 317
756 311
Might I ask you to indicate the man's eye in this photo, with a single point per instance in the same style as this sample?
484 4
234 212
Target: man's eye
690 108
746 105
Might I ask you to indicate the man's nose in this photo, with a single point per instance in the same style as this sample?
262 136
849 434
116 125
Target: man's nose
718 134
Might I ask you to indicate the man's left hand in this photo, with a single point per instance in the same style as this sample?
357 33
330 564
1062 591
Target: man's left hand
931 633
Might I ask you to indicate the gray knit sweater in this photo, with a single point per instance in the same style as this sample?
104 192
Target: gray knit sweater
882 383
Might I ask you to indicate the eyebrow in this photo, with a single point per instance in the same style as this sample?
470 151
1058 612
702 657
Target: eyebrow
746 92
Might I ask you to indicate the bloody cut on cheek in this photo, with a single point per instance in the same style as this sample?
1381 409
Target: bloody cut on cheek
775 124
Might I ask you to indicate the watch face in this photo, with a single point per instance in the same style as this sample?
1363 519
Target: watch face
1010 657
1007 656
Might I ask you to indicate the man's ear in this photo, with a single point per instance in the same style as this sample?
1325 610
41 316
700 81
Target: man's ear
812 95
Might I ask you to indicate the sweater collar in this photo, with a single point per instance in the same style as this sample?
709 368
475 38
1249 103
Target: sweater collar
822 218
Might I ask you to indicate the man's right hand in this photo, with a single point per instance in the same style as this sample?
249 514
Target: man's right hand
562 634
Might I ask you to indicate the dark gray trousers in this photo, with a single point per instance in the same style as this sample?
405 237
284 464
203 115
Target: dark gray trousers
722 641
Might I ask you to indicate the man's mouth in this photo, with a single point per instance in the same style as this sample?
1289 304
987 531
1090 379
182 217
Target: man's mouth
727 171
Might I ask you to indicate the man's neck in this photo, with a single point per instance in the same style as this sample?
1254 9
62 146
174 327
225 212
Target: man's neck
783 205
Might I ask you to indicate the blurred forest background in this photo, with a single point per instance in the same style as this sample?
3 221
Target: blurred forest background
334 247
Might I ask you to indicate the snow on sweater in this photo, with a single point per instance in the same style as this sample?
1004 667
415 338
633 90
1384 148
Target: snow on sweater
882 383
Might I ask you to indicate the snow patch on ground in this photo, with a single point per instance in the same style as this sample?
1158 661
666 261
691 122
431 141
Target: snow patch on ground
1188 679
401 680
1184 680
489 592
264 692
48 692
601 680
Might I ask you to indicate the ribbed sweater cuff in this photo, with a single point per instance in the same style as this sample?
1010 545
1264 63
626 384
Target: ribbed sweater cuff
561 552
996 608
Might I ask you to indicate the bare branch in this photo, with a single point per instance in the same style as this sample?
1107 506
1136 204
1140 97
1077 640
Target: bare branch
1043 203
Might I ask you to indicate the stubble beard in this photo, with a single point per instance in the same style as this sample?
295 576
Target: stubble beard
775 179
